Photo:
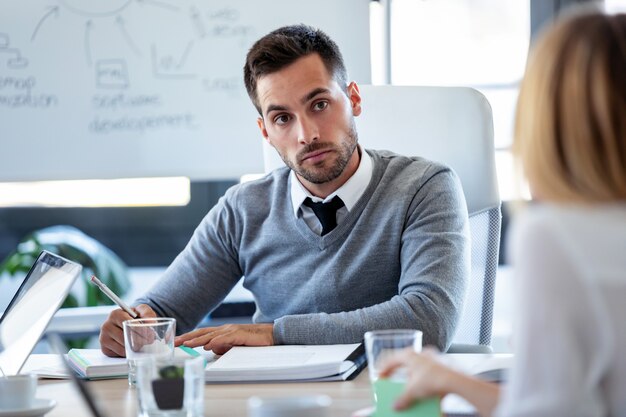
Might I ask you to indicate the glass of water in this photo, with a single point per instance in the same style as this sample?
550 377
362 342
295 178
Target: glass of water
171 387
148 338
381 345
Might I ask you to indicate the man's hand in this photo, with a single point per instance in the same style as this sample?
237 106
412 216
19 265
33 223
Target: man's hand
221 339
112 333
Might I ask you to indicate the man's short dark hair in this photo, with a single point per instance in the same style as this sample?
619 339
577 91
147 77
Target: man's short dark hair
285 45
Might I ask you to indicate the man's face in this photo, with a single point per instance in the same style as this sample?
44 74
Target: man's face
309 120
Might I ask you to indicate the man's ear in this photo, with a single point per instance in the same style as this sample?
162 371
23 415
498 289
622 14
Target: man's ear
354 95
261 123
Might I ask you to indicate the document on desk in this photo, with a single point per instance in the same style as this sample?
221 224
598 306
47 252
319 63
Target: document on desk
88 364
287 363
93 364
45 365
489 367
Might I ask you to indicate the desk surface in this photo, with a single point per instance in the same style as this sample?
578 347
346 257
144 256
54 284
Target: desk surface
118 400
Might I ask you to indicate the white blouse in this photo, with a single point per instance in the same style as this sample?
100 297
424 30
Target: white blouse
570 321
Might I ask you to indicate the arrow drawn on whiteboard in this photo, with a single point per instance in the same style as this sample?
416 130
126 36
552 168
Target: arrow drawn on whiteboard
197 22
88 27
54 10
162 67
160 4
122 24
183 58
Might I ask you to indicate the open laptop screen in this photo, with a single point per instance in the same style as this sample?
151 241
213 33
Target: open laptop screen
41 294
8 288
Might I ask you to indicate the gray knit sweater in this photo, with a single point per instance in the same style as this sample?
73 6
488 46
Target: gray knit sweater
399 259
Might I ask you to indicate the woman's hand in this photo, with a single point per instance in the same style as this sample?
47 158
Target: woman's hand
428 377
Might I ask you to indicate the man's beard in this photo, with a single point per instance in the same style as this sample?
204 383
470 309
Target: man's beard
344 151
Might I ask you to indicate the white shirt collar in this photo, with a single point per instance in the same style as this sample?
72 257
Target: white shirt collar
349 192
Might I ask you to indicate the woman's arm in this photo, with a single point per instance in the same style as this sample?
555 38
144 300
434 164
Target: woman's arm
427 377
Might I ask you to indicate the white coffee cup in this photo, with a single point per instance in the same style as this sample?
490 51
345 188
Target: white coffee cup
305 406
17 392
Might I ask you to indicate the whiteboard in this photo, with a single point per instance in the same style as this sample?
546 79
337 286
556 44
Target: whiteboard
145 88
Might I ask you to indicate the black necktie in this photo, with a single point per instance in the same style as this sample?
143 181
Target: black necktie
326 212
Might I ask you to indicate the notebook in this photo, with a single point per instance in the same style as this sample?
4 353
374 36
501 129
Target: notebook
287 363
244 363
93 364
40 295
59 347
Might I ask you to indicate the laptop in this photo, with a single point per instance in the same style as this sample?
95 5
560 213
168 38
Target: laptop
58 346
27 315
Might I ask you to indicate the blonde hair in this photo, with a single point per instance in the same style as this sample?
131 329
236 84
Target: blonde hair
570 127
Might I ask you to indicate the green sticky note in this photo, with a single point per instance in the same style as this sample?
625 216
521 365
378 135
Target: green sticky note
386 391
189 351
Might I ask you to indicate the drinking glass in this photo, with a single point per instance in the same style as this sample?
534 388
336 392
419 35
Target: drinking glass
171 387
380 345
145 338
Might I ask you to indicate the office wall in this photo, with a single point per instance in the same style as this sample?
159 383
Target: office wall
141 236
135 88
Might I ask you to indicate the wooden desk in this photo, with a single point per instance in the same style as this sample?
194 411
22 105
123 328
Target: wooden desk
117 399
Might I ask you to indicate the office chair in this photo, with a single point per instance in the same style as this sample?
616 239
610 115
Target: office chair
452 125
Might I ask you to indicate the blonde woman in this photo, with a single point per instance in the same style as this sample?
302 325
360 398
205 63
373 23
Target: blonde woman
569 251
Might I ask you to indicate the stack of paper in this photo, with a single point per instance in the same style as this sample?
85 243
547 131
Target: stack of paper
45 365
239 364
93 364
287 363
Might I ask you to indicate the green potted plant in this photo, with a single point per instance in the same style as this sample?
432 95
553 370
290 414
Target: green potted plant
73 244
169 387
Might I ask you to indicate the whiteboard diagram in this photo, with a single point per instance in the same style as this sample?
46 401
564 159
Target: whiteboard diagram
135 88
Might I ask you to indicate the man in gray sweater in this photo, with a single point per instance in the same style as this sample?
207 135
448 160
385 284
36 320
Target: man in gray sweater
341 241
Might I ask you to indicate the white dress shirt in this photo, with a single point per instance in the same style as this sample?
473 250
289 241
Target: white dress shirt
349 192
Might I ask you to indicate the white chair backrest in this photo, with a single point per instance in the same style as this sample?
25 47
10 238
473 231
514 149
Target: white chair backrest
452 125
448 124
